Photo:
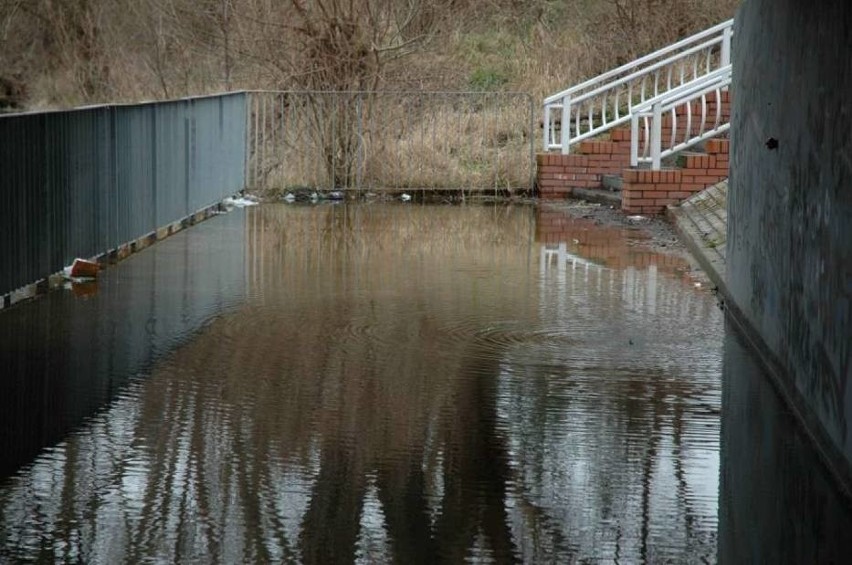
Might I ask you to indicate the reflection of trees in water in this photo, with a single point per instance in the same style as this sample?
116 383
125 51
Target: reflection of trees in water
385 389
270 436
620 486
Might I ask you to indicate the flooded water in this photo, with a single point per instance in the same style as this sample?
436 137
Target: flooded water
388 383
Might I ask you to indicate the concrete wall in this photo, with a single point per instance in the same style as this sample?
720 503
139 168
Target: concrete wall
775 504
790 207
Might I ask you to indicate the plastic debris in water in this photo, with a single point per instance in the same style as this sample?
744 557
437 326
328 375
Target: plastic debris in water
405 197
239 202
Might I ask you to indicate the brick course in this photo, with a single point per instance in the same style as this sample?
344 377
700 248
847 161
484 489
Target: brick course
649 192
643 191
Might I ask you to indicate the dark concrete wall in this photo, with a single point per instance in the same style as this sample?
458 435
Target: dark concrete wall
790 208
777 504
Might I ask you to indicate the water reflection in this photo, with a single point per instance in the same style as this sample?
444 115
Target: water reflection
405 383
778 504
66 354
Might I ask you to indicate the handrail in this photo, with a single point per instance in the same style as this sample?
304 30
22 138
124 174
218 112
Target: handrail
683 91
609 97
642 60
640 74
651 112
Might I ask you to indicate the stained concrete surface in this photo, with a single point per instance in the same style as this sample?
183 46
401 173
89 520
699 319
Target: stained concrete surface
789 238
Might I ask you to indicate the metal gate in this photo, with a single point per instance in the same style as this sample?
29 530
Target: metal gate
470 141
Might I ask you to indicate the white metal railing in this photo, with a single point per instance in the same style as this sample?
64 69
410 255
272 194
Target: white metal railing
698 104
606 101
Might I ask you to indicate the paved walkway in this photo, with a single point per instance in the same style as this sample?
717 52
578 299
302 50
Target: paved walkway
702 223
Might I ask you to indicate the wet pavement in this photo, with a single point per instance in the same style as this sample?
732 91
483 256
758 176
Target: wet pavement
387 382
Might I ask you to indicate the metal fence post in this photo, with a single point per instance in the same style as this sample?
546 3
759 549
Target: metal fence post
566 125
656 136
247 157
726 47
359 172
531 107
634 140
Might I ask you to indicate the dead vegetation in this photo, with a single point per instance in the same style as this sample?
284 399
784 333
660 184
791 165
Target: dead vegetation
61 53
56 53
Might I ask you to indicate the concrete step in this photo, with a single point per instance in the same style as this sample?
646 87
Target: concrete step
598 195
612 182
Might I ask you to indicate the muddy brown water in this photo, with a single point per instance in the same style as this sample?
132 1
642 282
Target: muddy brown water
380 383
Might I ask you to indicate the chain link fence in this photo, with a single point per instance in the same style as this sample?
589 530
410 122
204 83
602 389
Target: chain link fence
468 141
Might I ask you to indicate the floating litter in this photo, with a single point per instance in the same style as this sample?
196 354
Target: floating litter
239 202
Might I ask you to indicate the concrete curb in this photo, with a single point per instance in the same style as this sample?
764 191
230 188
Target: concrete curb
112 256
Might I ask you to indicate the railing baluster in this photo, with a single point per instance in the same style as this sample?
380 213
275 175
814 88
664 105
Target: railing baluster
673 138
590 119
688 121
577 122
700 52
718 109
617 109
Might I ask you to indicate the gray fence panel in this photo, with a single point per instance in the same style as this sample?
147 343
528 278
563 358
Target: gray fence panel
71 185
22 174
81 182
105 182
134 166
218 138
171 162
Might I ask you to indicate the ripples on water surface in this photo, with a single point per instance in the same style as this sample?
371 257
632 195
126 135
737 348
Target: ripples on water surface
369 383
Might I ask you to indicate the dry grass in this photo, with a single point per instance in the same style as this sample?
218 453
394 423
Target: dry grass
124 50
475 142
127 50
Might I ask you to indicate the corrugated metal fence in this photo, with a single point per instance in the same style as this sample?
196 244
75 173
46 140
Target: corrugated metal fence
81 182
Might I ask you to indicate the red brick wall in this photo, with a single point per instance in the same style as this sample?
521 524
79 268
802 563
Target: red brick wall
649 192
559 174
